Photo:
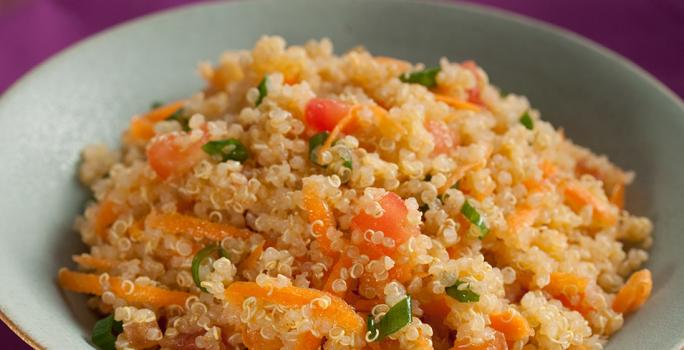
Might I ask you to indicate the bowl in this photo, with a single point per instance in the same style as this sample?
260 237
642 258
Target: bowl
87 93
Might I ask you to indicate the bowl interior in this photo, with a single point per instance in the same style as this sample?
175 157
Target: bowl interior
87 94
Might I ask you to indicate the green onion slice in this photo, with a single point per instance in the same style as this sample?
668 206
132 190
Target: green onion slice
527 121
156 104
199 257
347 164
475 218
229 149
315 142
395 319
426 77
465 295
179 116
263 90
105 332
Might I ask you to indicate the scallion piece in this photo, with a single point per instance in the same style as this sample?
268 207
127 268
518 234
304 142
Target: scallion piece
230 149
179 116
156 104
395 319
199 257
527 121
105 332
464 295
315 142
347 164
426 77
475 218
263 90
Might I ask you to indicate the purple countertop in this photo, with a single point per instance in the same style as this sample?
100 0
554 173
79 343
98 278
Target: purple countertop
648 32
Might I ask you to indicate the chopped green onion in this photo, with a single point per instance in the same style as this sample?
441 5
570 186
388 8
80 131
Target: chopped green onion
263 90
527 121
465 295
395 319
315 142
199 257
156 104
179 116
229 149
347 164
426 77
105 332
475 218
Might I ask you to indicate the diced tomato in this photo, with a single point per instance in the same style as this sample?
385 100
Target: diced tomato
322 114
167 155
393 223
441 136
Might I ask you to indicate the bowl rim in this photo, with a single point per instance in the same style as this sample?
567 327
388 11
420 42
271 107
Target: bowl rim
482 9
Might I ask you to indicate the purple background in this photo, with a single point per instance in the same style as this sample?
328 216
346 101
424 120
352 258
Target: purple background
649 32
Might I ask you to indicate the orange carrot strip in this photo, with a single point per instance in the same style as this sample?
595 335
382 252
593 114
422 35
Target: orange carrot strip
253 258
319 215
337 130
391 61
307 341
513 325
578 196
522 216
634 293
142 127
387 126
498 343
569 289
456 103
254 341
617 195
92 262
336 273
140 294
107 213
184 224
337 312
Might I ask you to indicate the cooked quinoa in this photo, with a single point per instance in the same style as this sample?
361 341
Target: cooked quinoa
305 200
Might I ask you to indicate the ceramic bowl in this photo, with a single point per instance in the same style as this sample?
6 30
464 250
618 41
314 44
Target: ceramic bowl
87 94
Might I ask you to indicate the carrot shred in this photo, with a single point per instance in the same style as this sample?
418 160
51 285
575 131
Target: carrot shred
344 262
569 289
498 343
361 304
578 196
513 325
523 216
460 172
176 223
337 130
142 127
456 103
319 216
253 340
387 126
107 213
307 341
89 261
252 259
401 65
634 293
337 312
140 294
617 195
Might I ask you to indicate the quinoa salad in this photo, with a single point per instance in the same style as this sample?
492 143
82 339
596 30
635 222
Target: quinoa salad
305 200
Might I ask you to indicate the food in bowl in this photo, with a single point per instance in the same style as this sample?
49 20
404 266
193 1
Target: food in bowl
305 200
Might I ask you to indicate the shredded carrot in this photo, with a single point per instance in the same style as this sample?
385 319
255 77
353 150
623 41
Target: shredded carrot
107 213
184 224
337 311
513 325
634 293
401 65
252 259
361 304
459 173
253 340
523 216
548 169
456 103
139 294
387 126
307 341
136 232
578 196
89 261
617 195
344 262
142 127
337 130
435 312
319 215
498 343
570 290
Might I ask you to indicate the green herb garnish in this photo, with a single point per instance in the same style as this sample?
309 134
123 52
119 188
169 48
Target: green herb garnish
475 218
156 104
315 142
426 77
105 332
527 121
464 295
199 257
230 149
263 90
395 319
347 164
179 116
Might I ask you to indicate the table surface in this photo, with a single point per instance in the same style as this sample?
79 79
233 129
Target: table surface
648 32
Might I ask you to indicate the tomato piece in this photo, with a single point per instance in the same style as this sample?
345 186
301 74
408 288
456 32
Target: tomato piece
322 114
393 223
168 155
441 136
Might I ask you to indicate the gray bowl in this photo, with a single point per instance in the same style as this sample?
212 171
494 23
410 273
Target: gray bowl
87 94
